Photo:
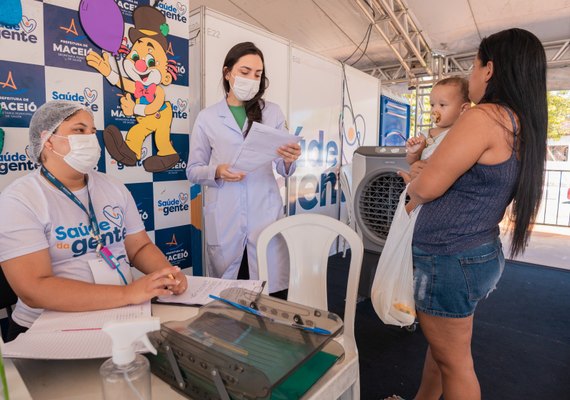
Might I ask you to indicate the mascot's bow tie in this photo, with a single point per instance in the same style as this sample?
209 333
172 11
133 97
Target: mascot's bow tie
141 91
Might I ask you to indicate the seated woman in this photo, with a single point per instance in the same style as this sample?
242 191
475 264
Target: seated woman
69 234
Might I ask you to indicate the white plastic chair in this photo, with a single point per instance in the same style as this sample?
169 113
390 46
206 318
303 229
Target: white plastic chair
309 238
345 178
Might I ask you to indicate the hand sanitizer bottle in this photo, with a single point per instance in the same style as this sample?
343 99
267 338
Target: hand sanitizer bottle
126 376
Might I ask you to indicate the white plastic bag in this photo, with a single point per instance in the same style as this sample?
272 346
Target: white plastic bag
393 287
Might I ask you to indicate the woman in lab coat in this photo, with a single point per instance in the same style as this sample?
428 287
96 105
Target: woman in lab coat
238 206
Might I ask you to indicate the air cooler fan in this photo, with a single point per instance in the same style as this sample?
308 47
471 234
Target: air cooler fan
377 188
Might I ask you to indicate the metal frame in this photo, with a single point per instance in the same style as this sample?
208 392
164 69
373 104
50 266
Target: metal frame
557 56
392 21
419 66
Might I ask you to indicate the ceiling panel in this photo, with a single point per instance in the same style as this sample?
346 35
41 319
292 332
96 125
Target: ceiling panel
447 25
334 28
547 19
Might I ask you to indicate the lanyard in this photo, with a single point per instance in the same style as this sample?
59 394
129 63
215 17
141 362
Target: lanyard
101 250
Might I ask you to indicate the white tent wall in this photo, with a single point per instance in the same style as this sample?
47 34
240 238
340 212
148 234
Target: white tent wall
360 118
308 88
360 111
221 34
315 95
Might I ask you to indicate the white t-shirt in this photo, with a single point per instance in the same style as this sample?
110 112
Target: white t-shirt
36 215
428 150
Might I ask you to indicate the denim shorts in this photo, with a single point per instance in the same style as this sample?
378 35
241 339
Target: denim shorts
451 286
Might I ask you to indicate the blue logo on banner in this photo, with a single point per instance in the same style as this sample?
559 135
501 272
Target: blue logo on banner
175 244
24 32
22 91
143 195
175 12
65 43
178 172
112 111
310 190
178 51
180 108
86 98
173 204
127 8
16 161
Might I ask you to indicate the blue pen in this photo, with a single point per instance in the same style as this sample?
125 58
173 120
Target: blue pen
238 306
320 331
253 311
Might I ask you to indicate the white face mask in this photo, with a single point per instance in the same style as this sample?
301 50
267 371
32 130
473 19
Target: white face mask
245 89
84 152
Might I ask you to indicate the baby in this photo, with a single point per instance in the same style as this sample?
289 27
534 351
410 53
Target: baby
449 98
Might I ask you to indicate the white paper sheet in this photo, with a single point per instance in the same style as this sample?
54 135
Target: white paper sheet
59 335
260 147
200 287
58 321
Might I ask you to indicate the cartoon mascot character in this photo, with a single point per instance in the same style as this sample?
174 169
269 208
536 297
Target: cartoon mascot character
147 68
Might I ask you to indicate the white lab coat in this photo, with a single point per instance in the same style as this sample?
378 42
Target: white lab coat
235 213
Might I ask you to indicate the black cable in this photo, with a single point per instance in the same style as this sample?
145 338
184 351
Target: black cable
366 35
352 116
365 47
372 9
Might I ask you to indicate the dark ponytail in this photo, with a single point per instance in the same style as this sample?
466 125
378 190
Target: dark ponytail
519 82
253 107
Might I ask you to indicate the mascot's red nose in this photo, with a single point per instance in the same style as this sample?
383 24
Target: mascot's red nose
140 65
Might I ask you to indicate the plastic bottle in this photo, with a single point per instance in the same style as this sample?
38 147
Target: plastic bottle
126 375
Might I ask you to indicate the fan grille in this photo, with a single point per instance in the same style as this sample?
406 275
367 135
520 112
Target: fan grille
378 201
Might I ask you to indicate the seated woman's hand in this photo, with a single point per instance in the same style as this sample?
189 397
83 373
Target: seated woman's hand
223 172
152 285
180 283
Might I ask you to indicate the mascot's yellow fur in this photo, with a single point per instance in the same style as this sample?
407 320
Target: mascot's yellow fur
147 69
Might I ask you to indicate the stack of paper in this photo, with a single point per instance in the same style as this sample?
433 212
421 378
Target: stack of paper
260 147
71 335
200 287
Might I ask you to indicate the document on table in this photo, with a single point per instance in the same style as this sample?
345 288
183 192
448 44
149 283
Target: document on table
200 287
59 335
260 147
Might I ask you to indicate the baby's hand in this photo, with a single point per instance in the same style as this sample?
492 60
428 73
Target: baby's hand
416 144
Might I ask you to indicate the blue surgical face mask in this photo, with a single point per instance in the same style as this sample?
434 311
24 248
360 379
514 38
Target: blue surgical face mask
84 152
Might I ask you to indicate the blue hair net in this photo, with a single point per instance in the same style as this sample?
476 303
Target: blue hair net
46 119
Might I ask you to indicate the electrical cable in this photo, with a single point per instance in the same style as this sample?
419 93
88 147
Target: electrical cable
351 107
371 8
366 35
365 47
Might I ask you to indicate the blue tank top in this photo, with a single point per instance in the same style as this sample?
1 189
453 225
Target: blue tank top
468 214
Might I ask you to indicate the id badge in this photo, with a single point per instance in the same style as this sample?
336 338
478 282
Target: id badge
105 275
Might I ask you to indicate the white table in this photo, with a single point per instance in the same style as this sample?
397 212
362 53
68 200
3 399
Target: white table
79 379
16 387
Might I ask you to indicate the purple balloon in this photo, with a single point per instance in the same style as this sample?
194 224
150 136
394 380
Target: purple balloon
103 22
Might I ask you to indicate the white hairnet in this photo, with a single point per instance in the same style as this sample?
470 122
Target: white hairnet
47 118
